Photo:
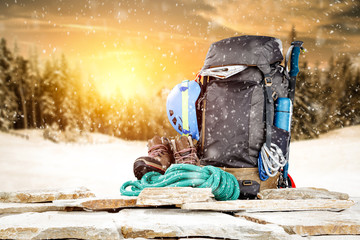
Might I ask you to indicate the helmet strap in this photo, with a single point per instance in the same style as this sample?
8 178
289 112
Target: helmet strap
185 106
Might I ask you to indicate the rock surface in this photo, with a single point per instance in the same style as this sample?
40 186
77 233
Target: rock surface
48 195
58 225
173 196
310 223
28 207
163 223
134 223
301 193
271 205
99 204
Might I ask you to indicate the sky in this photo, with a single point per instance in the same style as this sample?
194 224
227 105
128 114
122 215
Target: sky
138 47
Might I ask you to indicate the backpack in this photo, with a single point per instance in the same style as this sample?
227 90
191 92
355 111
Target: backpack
240 82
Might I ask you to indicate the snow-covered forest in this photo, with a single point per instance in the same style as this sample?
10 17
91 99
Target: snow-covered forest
48 95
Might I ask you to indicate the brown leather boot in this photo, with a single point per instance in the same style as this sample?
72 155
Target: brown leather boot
184 151
159 159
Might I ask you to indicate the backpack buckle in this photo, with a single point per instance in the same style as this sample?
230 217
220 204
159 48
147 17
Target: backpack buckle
247 183
275 96
268 81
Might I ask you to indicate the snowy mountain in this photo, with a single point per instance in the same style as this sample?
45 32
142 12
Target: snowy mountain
328 162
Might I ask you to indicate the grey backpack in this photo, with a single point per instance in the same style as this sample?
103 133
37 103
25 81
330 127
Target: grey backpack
241 78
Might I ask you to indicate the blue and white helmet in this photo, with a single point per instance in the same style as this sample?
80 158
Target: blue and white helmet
181 108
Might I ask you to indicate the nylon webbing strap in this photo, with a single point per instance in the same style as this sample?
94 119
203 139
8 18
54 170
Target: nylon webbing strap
185 106
269 103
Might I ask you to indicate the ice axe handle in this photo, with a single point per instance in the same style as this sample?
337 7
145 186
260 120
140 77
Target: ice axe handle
294 62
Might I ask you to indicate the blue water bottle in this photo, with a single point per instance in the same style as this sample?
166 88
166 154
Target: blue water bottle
282 119
283 113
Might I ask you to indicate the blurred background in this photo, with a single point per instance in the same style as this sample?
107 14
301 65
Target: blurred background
75 67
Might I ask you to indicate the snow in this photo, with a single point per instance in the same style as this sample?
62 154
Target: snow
37 163
328 162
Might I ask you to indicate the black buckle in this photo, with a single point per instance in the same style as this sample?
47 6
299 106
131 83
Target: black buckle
268 81
247 183
275 96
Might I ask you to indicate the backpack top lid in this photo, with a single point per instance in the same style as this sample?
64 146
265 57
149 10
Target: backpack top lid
244 50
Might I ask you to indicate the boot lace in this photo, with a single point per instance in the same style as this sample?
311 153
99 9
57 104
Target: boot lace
186 156
158 150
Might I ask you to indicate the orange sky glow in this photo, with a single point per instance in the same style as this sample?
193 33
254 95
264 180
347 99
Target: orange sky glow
138 47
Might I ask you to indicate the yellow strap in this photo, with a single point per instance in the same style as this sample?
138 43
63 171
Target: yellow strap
185 106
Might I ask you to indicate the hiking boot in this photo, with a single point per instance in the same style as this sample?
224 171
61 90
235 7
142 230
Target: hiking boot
159 159
184 151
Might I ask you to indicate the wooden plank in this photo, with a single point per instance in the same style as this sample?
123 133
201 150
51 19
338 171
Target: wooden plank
173 196
271 205
45 195
301 193
99 204
310 223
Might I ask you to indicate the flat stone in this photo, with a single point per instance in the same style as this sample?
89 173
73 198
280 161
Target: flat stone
271 205
173 196
58 225
161 223
99 204
301 193
310 223
28 207
46 195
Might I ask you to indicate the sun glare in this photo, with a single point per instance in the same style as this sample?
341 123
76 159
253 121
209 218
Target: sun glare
119 77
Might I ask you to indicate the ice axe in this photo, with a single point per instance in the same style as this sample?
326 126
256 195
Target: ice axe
294 51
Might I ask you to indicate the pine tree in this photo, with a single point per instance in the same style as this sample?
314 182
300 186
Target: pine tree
47 102
293 34
68 106
20 85
338 75
304 114
35 78
8 103
350 102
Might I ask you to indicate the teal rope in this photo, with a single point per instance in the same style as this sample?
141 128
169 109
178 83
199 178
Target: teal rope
224 185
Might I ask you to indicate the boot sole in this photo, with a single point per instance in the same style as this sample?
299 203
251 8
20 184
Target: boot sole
144 165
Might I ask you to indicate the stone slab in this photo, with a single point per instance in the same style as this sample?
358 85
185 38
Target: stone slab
271 205
28 207
99 204
58 225
311 223
173 196
45 195
301 193
170 223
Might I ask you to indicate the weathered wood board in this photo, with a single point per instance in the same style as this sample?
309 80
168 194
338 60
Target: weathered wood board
173 196
45 195
301 193
271 205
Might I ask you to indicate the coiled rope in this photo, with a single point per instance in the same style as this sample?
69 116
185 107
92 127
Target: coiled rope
224 185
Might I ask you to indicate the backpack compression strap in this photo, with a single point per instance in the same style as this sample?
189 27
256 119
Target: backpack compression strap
269 101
